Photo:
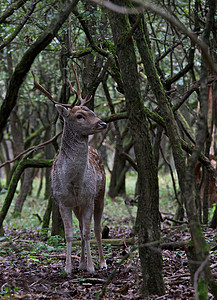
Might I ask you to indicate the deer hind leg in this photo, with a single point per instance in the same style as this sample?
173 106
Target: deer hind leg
83 263
86 223
66 215
98 210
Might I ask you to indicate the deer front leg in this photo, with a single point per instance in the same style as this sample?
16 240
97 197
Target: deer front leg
66 214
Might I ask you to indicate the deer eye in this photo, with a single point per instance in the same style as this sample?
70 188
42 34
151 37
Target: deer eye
79 117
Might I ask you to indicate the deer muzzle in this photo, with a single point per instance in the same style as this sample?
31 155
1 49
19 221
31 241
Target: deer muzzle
102 125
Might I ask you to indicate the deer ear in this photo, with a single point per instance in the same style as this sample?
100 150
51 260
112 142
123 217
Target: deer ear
64 112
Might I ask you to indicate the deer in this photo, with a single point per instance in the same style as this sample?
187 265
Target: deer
78 177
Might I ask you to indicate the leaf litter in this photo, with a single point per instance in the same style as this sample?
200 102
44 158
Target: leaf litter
34 269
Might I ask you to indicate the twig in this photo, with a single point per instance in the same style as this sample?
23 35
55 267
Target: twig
179 276
175 221
114 272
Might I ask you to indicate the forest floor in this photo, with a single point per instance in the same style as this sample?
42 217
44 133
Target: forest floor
33 269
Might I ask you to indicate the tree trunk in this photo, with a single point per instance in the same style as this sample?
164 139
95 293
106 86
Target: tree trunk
25 188
57 223
3 157
199 251
147 223
46 218
117 182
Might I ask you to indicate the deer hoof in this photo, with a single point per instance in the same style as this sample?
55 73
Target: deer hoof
83 266
68 270
103 265
90 270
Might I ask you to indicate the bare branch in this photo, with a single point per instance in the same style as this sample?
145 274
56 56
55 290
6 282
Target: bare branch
148 5
33 148
46 93
120 9
193 88
88 35
85 100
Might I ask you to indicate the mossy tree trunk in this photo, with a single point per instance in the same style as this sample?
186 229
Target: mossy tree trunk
148 223
117 184
199 251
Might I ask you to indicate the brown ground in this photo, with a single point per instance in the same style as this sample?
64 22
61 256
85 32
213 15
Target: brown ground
33 269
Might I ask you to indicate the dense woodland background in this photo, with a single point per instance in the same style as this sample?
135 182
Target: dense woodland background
150 68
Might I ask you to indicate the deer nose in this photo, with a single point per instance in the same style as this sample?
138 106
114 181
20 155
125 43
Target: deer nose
102 124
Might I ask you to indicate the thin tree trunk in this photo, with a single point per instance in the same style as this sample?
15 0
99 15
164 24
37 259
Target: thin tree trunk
25 188
41 183
46 218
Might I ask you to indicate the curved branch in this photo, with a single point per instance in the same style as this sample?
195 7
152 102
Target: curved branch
88 35
31 149
193 88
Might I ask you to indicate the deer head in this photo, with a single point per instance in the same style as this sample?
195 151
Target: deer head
81 119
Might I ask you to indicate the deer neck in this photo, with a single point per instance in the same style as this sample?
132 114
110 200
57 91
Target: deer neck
74 146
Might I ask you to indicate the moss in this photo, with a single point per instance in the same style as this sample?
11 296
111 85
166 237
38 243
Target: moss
110 46
155 116
202 288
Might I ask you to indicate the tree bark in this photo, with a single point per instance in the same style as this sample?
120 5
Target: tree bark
25 188
46 218
186 177
199 251
148 223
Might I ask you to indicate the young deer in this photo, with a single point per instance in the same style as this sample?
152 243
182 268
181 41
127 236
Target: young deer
78 179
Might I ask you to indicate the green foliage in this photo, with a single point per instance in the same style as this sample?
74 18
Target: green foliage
8 291
56 241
